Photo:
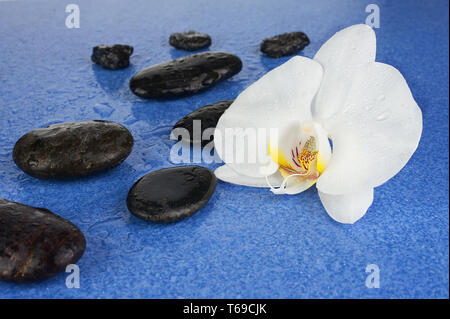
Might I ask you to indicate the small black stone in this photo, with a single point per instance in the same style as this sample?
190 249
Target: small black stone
112 57
170 194
190 40
208 115
185 75
284 44
36 244
73 149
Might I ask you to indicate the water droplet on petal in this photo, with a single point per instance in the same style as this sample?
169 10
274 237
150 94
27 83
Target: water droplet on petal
382 117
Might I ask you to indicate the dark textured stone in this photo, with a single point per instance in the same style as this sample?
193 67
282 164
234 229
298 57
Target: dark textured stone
112 57
208 115
284 44
73 149
185 75
171 194
190 40
36 244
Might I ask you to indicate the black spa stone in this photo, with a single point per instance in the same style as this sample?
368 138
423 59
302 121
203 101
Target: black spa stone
185 75
170 194
73 149
284 44
208 116
36 244
190 40
112 57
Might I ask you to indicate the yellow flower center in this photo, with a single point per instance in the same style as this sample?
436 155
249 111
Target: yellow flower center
304 160
302 154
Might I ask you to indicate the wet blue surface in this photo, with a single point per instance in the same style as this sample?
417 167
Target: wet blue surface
245 242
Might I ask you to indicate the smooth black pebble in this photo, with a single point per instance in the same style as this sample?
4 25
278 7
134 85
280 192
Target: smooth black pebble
73 149
284 44
170 194
190 40
112 57
36 244
185 75
208 116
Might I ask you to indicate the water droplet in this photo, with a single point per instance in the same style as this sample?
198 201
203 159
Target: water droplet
103 109
33 163
369 107
382 117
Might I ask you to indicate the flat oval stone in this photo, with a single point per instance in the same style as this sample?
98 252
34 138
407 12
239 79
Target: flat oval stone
112 57
170 194
36 244
190 40
73 149
208 116
284 44
185 75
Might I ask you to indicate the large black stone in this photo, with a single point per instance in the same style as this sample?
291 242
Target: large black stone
112 57
73 149
190 40
207 115
284 44
171 194
185 75
36 244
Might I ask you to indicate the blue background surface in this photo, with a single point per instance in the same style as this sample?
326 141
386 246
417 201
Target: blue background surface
246 242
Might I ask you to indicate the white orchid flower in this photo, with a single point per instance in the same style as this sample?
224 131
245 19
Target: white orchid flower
364 107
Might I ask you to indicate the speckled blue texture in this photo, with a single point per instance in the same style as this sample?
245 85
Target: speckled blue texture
245 242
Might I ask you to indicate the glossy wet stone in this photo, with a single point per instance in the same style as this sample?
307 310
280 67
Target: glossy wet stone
185 75
36 244
284 44
73 149
171 194
190 40
208 116
112 57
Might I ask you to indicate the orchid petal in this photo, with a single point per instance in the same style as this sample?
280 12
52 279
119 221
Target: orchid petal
323 145
339 56
374 134
281 95
347 208
227 174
